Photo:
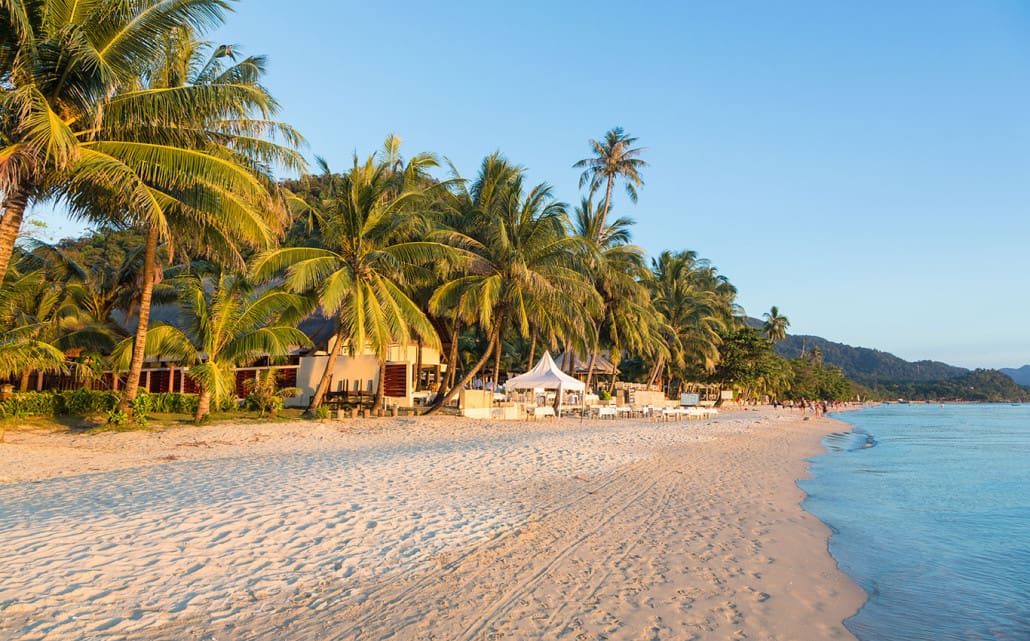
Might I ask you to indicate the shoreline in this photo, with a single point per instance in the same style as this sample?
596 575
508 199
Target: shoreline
435 528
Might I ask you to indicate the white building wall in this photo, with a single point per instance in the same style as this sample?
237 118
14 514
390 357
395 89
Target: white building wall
361 370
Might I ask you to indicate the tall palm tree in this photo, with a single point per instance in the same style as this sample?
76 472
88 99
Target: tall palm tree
521 260
366 260
222 126
775 325
227 325
75 125
616 270
614 158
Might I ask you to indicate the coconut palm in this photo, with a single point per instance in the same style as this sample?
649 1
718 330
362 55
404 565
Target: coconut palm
366 260
31 315
75 125
698 305
522 260
222 129
226 325
86 120
775 325
616 270
40 315
614 158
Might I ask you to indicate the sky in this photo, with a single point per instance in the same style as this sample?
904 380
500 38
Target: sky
863 166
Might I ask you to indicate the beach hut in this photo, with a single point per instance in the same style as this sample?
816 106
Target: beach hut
546 375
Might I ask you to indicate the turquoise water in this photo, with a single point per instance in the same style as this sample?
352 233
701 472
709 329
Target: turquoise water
930 508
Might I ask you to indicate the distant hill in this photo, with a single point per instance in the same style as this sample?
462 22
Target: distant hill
868 366
887 376
1021 375
981 385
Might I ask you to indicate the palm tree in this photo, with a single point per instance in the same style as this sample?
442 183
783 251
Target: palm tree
616 270
775 325
521 260
75 125
614 158
227 325
31 314
367 259
698 306
222 128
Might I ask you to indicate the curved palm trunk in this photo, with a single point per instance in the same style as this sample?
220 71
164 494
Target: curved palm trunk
452 364
497 364
327 375
380 401
443 400
590 367
140 343
655 371
10 225
203 404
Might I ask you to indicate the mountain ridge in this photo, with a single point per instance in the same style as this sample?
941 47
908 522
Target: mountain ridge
1020 375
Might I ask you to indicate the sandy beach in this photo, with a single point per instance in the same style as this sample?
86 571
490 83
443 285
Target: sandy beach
437 528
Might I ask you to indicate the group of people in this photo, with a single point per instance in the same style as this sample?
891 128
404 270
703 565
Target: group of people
818 408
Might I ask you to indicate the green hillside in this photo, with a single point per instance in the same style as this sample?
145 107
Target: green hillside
870 367
981 385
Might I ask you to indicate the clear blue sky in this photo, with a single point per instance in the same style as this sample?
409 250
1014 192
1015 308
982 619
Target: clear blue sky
864 166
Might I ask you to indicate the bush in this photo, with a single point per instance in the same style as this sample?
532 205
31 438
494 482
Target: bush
31 404
265 395
82 402
167 403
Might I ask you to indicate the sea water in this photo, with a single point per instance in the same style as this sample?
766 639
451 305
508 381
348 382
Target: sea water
930 509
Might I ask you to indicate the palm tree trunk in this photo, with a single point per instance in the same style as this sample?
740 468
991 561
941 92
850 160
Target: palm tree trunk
590 367
327 375
655 371
380 402
532 352
10 225
417 374
607 204
443 400
497 364
24 384
139 346
452 363
203 404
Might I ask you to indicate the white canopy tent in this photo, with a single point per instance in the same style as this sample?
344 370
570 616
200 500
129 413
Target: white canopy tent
546 375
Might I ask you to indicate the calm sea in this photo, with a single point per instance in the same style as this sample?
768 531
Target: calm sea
930 508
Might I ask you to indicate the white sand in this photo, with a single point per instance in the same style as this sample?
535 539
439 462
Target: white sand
420 529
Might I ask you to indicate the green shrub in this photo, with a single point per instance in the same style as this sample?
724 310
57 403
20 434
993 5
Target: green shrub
82 402
167 403
31 404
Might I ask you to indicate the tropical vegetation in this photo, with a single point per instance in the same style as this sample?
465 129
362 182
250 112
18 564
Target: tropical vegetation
169 145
